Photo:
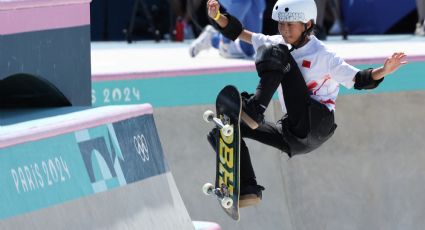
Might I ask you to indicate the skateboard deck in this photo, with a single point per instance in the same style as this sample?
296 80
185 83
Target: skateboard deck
227 137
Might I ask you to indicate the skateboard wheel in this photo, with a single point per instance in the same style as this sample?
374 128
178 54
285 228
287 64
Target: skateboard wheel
227 202
208 115
227 130
208 189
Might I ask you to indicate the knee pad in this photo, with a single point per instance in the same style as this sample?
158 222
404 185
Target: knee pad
272 57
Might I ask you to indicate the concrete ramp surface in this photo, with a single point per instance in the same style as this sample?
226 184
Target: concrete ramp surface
370 175
92 168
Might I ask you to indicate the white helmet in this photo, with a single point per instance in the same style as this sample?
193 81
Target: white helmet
294 11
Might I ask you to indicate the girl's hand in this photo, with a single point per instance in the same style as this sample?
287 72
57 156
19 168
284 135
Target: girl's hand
213 7
394 62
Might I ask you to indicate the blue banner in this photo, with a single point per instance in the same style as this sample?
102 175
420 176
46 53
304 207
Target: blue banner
374 16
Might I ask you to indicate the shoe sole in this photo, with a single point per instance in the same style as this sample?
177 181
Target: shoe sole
249 121
248 200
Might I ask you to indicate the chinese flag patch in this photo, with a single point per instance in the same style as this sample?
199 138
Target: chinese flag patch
306 64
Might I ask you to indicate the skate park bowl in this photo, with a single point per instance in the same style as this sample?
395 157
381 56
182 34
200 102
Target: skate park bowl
94 168
369 175
86 168
65 164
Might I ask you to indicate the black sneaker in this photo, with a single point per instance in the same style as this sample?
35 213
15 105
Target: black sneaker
252 112
211 138
250 195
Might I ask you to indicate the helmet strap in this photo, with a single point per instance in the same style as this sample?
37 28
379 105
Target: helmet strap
303 37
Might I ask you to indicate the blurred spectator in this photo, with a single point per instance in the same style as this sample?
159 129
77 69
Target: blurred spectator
337 25
249 13
189 13
324 7
420 26
269 25
320 27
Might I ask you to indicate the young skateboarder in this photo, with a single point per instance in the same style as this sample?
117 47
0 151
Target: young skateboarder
307 75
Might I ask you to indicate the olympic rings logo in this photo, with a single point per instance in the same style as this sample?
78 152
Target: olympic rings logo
141 146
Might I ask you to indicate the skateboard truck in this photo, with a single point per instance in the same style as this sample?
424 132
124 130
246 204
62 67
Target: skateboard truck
225 200
225 128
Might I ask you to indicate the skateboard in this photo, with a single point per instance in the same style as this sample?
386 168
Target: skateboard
227 139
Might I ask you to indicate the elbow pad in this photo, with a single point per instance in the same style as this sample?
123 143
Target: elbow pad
232 30
364 80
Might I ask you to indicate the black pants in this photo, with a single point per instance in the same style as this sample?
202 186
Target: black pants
301 130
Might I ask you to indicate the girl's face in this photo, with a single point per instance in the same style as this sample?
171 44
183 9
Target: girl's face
291 31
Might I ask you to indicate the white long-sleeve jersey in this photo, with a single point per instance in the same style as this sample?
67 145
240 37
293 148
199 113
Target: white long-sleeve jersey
322 69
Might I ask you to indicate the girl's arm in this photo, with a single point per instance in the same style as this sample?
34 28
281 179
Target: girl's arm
223 21
371 78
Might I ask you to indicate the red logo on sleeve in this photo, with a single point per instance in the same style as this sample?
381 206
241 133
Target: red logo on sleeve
306 64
